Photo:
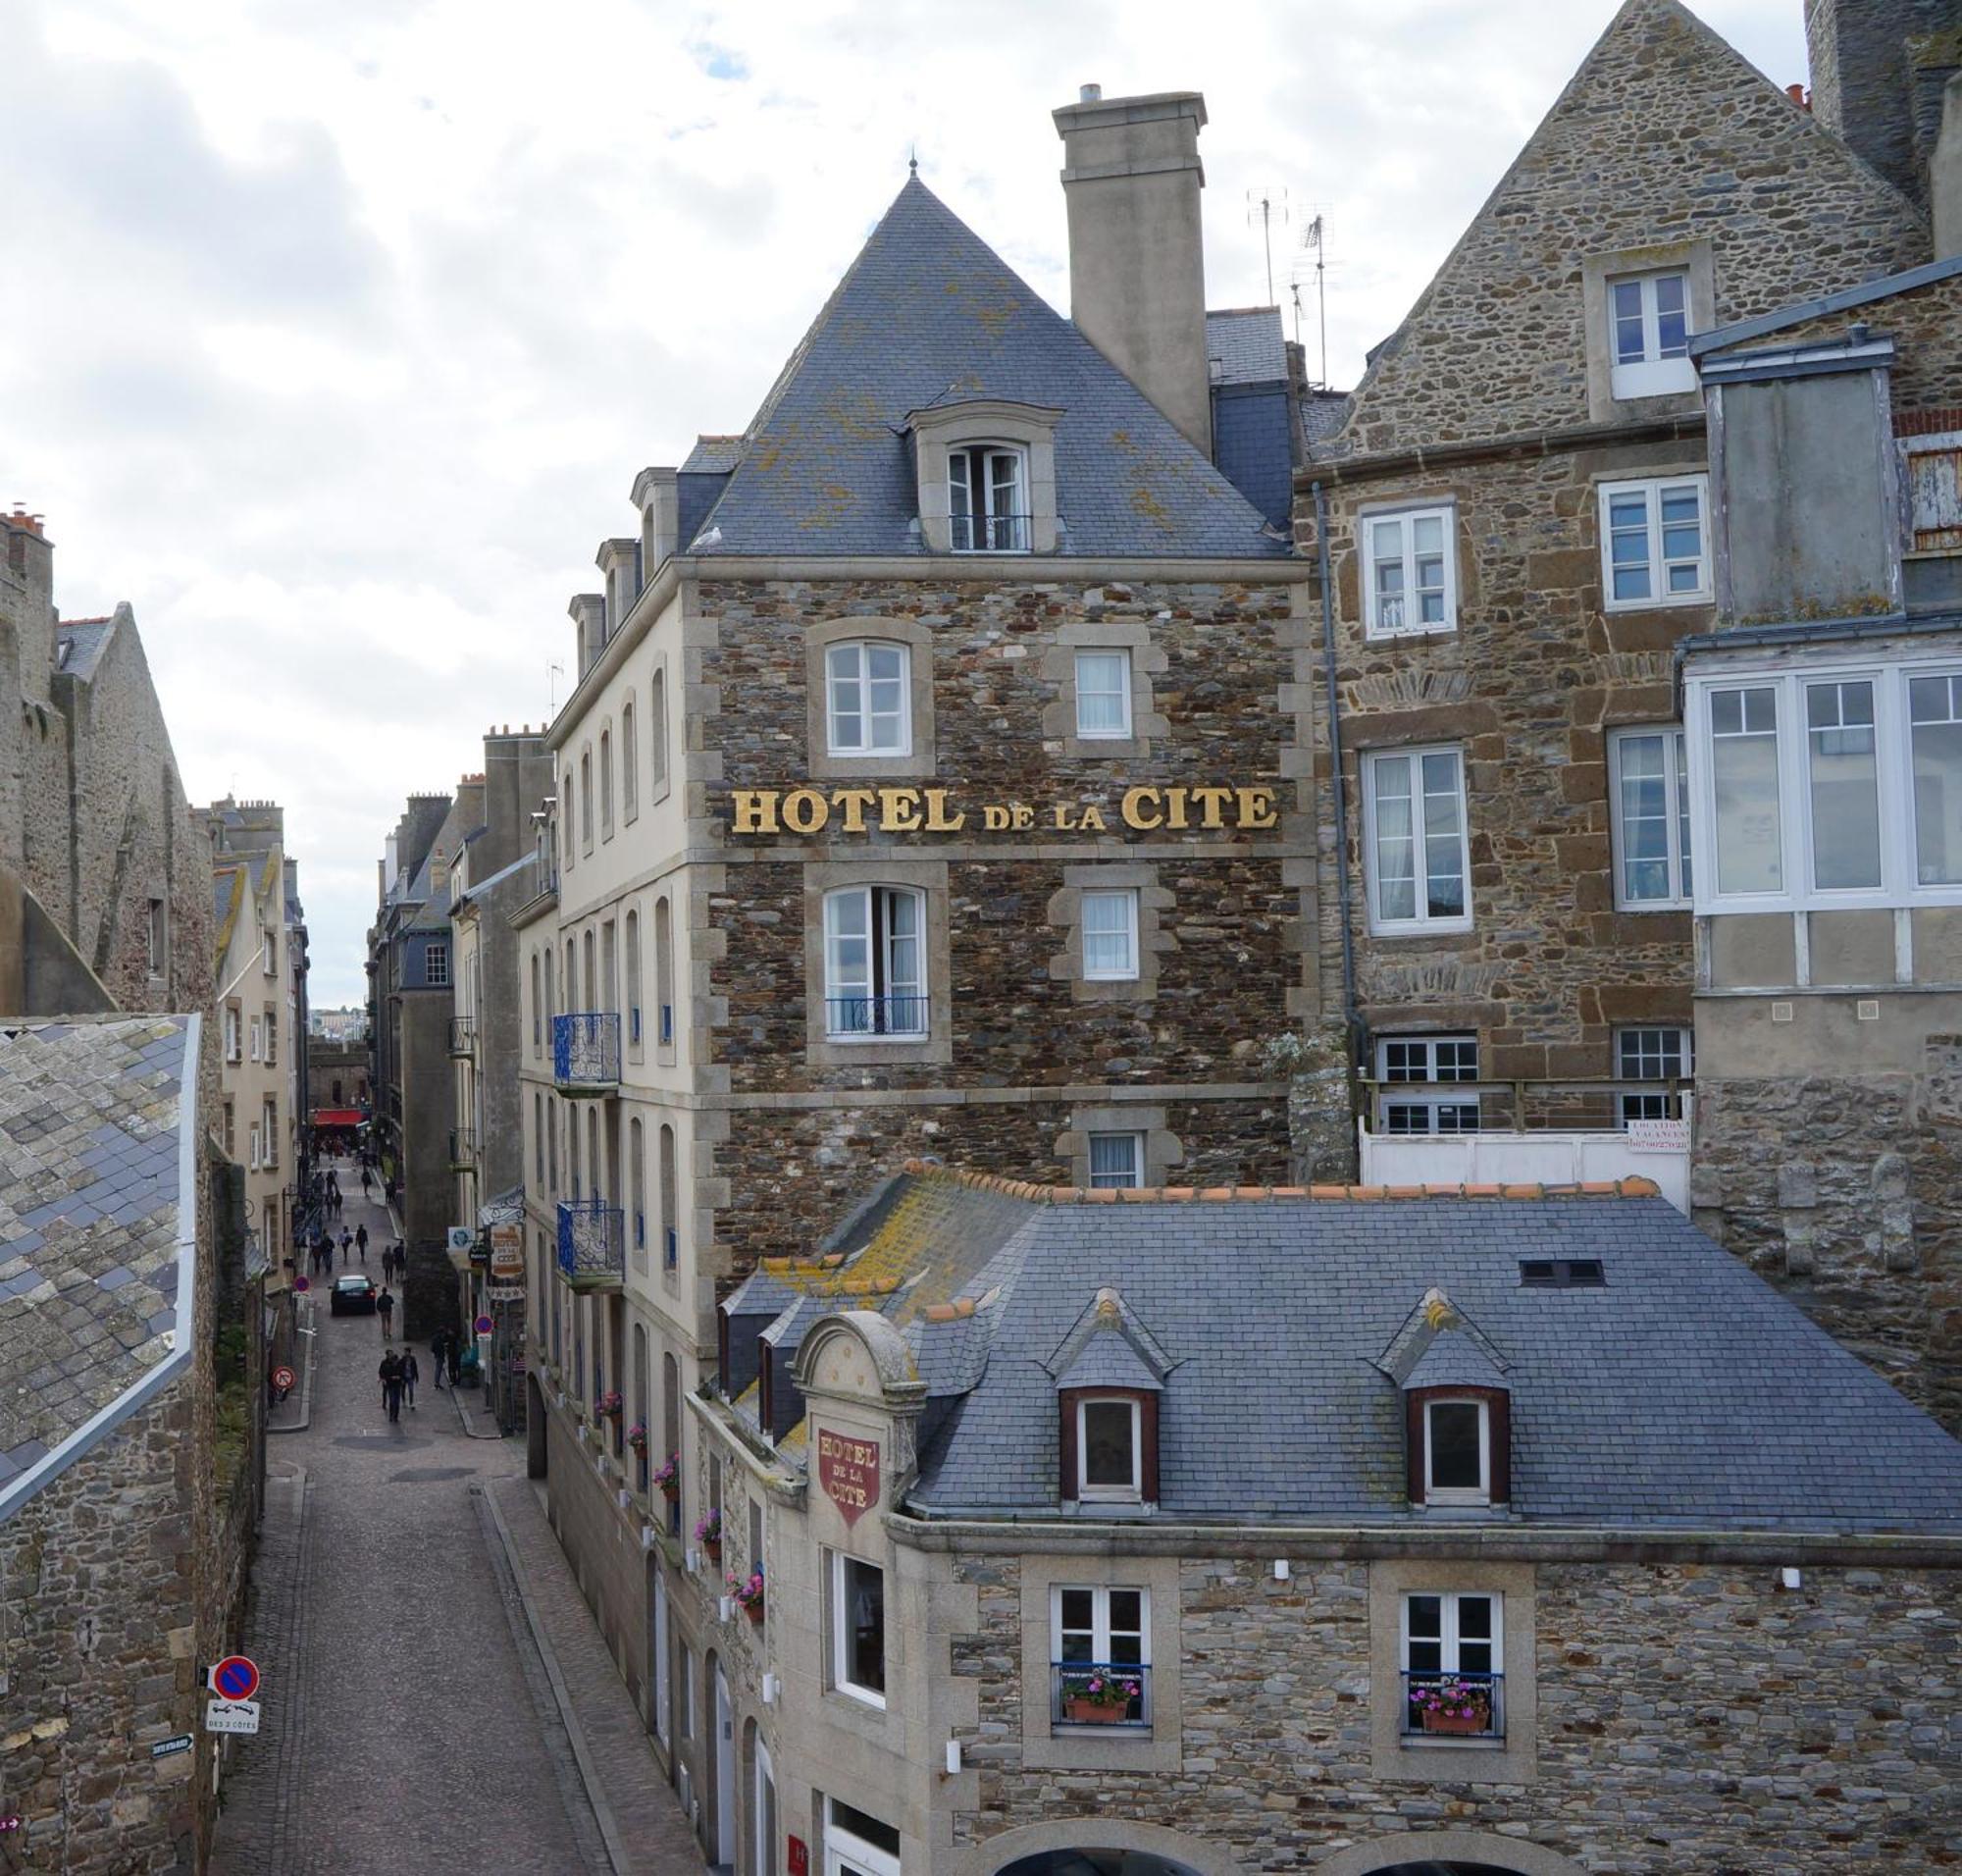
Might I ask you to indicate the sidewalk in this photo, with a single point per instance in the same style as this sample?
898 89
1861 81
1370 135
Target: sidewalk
639 1816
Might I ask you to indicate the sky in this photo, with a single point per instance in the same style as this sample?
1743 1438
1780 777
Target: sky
336 330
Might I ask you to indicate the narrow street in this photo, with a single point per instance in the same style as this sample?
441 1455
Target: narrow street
408 1715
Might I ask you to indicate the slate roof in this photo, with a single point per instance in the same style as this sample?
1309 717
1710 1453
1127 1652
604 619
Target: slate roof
1246 345
94 1231
86 640
712 456
1683 1394
929 310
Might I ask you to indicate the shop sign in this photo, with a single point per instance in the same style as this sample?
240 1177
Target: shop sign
506 1292
849 1471
1209 808
508 1251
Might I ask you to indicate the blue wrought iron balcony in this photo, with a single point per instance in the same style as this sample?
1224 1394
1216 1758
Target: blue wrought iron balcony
591 1237
1449 1704
586 1052
1114 1694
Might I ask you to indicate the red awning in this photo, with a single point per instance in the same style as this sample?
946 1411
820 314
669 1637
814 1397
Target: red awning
338 1117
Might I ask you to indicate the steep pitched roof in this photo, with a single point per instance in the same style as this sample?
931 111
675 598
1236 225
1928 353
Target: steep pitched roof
927 309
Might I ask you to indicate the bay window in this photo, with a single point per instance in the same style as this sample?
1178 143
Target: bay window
1416 855
875 962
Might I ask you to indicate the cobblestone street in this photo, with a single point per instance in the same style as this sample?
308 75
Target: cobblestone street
408 1715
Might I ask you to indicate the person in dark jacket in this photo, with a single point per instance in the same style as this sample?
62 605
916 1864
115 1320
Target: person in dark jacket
384 1307
411 1373
391 1375
438 1343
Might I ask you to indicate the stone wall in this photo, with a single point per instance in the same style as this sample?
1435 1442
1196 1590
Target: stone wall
1926 326
1688 1718
611 1567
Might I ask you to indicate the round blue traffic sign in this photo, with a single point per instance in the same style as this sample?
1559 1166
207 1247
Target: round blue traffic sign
235 1676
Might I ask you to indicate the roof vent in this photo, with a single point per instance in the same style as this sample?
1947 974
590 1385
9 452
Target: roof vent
1562 1272
1089 94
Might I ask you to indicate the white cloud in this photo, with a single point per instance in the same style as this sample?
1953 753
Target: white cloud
339 327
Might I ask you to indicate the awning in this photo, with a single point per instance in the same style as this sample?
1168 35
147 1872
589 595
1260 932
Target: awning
338 1117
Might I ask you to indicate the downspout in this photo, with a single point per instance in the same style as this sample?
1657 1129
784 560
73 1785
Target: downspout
1351 1021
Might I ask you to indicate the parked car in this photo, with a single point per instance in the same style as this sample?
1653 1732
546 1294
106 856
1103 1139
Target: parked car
353 1294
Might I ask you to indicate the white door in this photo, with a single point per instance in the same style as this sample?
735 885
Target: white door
725 1773
845 1855
763 1851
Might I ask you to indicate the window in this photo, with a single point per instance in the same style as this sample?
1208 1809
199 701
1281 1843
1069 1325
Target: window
658 728
1100 1628
1744 779
1843 785
1117 1160
606 784
1562 1272
1418 1061
586 799
1110 935
664 1146
537 1011
1655 543
629 763
258 1046
1108 1451
539 1138
1648 334
858 1628
230 1129
857 1843
1652 1055
268 950
988 500
1935 712
1410 582
157 939
633 983
232 1032
269 1132
875 962
636 1177
1648 782
1455 1642
867 693
664 1022
1457 1452
1104 693
1419 856
252 1134
435 966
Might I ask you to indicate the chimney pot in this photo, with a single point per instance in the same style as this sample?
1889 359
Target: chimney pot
1089 94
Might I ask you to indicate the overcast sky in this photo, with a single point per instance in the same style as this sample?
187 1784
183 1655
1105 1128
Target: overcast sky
335 331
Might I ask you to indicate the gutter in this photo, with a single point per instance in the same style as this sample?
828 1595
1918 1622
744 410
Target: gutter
1857 630
1350 1020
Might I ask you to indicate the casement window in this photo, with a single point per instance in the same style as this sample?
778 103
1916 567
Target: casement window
272 1036
1104 693
1831 787
868 697
988 498
252 1134
629 763
435 966
268 950
268 1134
1457 1451
875 962
1097 1629
1110 935
1455 1642
258 1044
858 1629
634 984
1655 543
1109 1450
232 1020
1417 850
1652 1054
230 1129
586 799
537 1011
1418 1065
606 784
1409 581
1648 334
1648 791
1116 1161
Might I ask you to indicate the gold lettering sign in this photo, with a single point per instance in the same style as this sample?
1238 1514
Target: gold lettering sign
1208 807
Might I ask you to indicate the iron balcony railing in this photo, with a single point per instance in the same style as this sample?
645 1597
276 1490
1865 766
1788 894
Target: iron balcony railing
1444 1704
875 1016
1073 1699
586 1052
462 1149
989 532
590 1243
463 1036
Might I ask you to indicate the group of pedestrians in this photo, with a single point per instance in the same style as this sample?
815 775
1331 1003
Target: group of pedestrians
398 1374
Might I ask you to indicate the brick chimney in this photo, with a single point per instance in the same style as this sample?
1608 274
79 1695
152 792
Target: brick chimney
1131 179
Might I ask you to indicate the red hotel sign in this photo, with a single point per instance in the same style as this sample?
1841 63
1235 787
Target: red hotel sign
849 1471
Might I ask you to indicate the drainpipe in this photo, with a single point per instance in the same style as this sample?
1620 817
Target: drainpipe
1352 1023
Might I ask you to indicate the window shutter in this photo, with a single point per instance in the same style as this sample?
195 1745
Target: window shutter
1499 1418
1414 1446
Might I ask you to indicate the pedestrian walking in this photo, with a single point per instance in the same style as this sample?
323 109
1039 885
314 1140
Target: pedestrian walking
384 1307
435 1353
361 1242
367 1183
390 1377
455 1356
347 1246
411 1373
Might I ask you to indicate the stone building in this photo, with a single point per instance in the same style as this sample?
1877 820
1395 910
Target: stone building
1064 1531
933 783
1515 534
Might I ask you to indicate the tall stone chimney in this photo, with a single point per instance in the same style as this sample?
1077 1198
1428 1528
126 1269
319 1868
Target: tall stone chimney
1944 175
1878 72
1131 179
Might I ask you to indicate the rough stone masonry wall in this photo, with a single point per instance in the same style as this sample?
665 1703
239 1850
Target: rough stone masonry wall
1925 327
1688 1719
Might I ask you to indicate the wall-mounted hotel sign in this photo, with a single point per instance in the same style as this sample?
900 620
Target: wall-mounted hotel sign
941 810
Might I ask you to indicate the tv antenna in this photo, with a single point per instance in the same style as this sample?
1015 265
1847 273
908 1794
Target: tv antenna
1271 206
554 670
1315 240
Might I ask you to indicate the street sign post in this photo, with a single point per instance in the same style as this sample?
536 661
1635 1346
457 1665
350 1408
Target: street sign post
485 1326
231 1716
284 1378
236 1678
167 1748
303 1283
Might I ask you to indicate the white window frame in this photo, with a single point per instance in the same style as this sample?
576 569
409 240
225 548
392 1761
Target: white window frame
845 1852
1089 654
435 955
252 1137
1632 1063
1106 1180
1676 786
1652 375
232 1028
1447 1637
876 986
1422 920
1086 1492
1100 1594
1428 1094
841 1631
256 1034
865 745
1479 1494
995 530
1406 520
1127 899
1899 885
1658 565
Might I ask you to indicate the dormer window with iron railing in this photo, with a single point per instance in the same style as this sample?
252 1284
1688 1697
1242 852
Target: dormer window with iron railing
988 495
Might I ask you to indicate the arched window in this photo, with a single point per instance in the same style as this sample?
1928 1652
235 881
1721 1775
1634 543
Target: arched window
586 800
637 1178
606 784
665 1016
641 1467
537 1009
658 727
671 1432
629 763
539 1138
875 962
988 494
670 1215
591 975
634 983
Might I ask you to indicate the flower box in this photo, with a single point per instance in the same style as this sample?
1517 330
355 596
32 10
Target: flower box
1085 1712
1436 1721
755 1610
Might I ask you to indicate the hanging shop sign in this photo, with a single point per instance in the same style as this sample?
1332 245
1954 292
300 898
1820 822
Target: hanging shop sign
1205 809
507 1252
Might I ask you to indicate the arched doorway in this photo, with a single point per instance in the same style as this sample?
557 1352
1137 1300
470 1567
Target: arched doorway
1096 1862
1099 1847
1447 1853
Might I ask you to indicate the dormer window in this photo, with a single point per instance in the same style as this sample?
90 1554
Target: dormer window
1648 338
1459 1440
1108 1450
987 504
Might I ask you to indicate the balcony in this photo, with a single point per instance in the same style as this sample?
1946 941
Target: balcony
462 1150
1075 1702
590 1244
463 1037
989 532
586 1053
849 1017
1440 1706
1527 1132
